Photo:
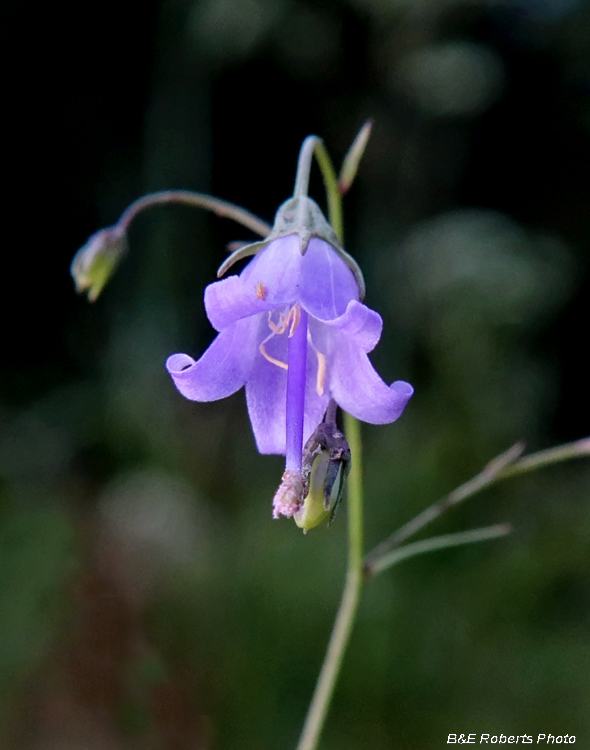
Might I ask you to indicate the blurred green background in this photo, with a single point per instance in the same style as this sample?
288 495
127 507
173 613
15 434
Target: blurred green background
147 598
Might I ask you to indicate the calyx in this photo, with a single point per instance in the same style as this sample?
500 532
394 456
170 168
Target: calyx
301 216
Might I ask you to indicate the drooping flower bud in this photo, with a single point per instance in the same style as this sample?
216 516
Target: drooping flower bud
96 261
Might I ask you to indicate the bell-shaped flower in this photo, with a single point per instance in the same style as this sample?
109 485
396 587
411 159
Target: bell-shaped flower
293 331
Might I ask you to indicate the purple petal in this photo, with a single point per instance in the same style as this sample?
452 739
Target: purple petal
327 284
358 389
279 275
230 300
359 324
315 403
224 367
269 281
277 269
266 395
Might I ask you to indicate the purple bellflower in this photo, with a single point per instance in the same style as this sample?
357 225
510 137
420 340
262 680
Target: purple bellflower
293 330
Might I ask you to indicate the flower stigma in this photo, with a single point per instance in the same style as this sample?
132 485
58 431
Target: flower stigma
289 497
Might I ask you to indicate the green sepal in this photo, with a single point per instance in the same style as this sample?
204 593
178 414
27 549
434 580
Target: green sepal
243 252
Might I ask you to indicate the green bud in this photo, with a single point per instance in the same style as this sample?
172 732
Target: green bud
326 462
96 261
314 511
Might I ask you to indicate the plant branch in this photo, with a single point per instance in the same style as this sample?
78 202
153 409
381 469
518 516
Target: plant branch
504 466
435 543
577 449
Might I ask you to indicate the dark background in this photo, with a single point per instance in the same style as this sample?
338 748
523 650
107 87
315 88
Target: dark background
147 599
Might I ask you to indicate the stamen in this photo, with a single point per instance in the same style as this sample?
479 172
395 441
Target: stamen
274 327
295 313
281 327
322 365
321 373
272 360
291 319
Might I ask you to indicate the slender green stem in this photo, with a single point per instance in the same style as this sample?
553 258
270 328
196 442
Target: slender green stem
198 200
436 543
332 191
304 166
504 466
342 628
352 428
343 624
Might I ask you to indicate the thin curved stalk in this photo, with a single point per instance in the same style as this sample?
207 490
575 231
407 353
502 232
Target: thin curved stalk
304 166
435 543
198 200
